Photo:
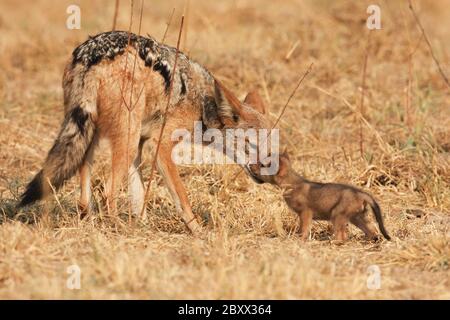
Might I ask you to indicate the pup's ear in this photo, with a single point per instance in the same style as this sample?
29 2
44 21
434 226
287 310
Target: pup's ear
229 108
254 100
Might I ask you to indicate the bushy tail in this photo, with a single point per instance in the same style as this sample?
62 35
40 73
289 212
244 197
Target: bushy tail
378 217
65 157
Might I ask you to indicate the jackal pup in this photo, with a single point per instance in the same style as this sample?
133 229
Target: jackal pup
338 203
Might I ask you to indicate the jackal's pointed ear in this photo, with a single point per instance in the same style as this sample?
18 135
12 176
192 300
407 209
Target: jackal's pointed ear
228 106
283 166
285 154
254 100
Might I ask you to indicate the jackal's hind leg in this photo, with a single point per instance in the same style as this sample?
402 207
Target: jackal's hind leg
136 189
85 180
123 157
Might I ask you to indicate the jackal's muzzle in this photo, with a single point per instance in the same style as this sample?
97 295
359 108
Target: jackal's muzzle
252 174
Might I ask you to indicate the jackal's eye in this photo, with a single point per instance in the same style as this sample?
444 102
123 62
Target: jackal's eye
235 118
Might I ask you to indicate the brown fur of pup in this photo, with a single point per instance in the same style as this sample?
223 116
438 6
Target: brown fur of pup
338 203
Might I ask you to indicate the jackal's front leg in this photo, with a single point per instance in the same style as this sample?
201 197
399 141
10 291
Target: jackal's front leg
169 171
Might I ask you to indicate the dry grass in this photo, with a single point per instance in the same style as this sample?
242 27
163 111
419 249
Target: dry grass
253 249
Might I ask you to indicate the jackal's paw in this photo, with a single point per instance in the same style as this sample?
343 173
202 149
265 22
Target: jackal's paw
84 209
198 232
194 227
304 237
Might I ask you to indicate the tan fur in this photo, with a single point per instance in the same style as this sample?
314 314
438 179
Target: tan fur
338 203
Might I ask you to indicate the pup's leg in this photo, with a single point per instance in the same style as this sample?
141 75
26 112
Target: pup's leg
340 226
306 217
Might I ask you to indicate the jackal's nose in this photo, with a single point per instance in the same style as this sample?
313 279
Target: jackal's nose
252 174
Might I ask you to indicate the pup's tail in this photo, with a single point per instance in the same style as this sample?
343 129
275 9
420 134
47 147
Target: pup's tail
65 157
378 216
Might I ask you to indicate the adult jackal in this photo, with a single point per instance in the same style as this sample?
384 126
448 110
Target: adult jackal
116 87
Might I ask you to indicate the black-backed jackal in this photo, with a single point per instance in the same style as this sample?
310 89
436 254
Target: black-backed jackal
339 203
116 86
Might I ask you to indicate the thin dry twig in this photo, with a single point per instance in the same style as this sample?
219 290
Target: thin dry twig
169 95
116 12
164 36
408 88
125 68
428 43
292 94
282 110
187 5
291 50
363 89
131 106
55 195
167 26
122 86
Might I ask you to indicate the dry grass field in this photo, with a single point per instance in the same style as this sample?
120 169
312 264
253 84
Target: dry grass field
251 249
